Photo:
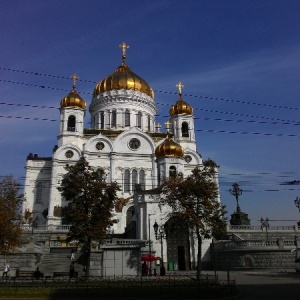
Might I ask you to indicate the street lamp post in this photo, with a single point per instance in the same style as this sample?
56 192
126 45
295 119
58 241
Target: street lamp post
150 265
160 233
34 223
236 192
265 224
297 203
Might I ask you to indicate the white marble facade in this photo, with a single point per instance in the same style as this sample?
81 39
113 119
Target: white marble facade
122 139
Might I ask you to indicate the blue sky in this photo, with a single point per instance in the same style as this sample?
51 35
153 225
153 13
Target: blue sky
238 60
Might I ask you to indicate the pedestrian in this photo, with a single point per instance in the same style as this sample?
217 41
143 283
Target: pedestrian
5 270
144 269
72 270
72 254
38 274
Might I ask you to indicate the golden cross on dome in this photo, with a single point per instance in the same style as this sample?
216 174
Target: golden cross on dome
124 47
180 86
74 78
158 127
168 125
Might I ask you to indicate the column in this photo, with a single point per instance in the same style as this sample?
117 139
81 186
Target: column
112 166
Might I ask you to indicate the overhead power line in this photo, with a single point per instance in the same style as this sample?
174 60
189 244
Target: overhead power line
157 91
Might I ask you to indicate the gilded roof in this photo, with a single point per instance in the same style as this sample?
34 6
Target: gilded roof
180 107
123 78
73 99
169 148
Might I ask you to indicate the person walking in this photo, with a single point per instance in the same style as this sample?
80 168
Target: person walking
144 269
5 270
72 254
72 270
38 274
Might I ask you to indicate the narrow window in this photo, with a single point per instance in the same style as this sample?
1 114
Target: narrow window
139 120
185 129
142 179
114 118
102 120
172 171
129 215
134 179
127 181
71 123
127 117
149 123
39 193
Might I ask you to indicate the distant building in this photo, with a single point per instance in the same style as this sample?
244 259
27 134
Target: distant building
124 140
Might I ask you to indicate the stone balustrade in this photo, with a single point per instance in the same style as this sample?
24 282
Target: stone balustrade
125 242
259 228
267 244
58 228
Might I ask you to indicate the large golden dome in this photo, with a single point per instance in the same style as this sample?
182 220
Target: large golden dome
169 148
180 107
123 78
73 99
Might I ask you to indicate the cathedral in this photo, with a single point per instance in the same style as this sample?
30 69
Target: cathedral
127 142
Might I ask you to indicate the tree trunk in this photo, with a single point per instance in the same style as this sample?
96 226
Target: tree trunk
88 259
199 238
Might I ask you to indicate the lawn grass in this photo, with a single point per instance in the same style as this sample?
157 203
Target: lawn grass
132 289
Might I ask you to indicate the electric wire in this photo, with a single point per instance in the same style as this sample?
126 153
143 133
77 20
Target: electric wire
157 91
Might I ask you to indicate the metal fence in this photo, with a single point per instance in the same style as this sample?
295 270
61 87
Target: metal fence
166 287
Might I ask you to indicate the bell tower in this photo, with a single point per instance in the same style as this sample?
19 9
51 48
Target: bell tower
182 122
72 113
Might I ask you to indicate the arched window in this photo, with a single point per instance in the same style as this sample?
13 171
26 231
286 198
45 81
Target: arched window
185 129
127 117
71 123
102 120
134 179
142 179
127 181
172 171
114 118
139 120
149 123
39 193
129 215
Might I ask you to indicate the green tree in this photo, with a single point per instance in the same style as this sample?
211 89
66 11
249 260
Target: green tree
194 200
11 219
91 204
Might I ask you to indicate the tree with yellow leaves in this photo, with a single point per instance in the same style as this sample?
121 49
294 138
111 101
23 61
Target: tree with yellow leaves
11 218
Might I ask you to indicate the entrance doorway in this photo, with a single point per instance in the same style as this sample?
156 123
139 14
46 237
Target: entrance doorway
178 254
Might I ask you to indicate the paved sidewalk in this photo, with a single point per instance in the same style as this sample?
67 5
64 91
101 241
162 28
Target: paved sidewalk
265 285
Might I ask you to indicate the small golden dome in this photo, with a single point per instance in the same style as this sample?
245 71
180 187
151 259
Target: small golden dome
180 107
123 78
73 99
169 148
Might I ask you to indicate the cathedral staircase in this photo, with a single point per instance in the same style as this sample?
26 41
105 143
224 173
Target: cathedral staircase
58 262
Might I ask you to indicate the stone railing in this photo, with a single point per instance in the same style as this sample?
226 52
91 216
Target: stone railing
267 244
114 242
60 228
259 228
